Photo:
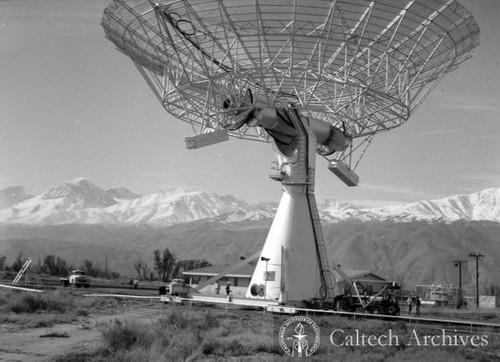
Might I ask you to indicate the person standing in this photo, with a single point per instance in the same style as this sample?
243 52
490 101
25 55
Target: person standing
409 301
417 306
228 288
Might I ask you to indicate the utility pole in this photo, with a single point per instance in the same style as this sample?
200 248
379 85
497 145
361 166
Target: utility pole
477 256
459 263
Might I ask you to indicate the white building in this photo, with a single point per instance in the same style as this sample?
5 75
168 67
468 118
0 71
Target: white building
239 279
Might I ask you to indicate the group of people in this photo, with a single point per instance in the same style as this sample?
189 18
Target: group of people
411 301
228 288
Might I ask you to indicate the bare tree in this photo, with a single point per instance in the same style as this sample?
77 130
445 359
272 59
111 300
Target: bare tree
94 270
164 264
18 263
54 265
142 269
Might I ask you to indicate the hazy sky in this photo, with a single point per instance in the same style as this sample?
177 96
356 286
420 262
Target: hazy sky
73 106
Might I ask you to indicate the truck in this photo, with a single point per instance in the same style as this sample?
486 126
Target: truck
77 278
357 298
177 287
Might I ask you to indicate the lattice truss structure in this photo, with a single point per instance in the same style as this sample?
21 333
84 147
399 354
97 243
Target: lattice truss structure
363 66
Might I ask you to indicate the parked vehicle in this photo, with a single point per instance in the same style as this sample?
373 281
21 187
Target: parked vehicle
356 298
77 278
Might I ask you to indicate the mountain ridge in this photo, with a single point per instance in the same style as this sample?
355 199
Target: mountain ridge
410 253
414 243
482 205
82 202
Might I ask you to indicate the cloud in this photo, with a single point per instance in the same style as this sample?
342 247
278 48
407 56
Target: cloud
473 107
487 178
5 182
468 103
177 173
483 133
439 132
398 194
372 203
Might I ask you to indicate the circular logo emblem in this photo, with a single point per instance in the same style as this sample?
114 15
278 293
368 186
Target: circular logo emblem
299 336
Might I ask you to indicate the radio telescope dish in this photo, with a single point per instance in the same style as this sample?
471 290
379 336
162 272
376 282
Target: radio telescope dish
361 65
313 76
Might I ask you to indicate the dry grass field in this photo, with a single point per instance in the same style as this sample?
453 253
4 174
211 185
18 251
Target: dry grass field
62 325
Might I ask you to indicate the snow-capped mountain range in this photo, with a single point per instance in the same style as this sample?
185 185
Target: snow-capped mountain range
82 202
482 205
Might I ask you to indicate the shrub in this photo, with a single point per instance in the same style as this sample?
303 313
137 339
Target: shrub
126 335
210 347
36 303
176 319
55 335
210 321
271 347
27 303
82 312
96 303
235 348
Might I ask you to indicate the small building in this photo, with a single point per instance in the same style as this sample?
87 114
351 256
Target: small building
371 281
438 294
239 279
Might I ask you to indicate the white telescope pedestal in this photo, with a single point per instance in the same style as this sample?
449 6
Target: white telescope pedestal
293 265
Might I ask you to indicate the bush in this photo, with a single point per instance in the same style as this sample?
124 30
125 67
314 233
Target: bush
37 303
126 335
27 303
82 312
176 320
210 347
210 321
99 304
235 348
185 334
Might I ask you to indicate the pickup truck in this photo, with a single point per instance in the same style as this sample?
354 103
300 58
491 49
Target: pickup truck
77 278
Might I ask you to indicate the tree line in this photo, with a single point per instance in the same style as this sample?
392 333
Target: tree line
164 267
57 266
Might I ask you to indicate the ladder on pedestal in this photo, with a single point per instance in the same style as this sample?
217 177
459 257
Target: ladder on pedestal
21 272
326 272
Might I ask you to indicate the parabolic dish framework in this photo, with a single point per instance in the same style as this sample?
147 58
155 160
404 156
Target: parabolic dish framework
363 66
